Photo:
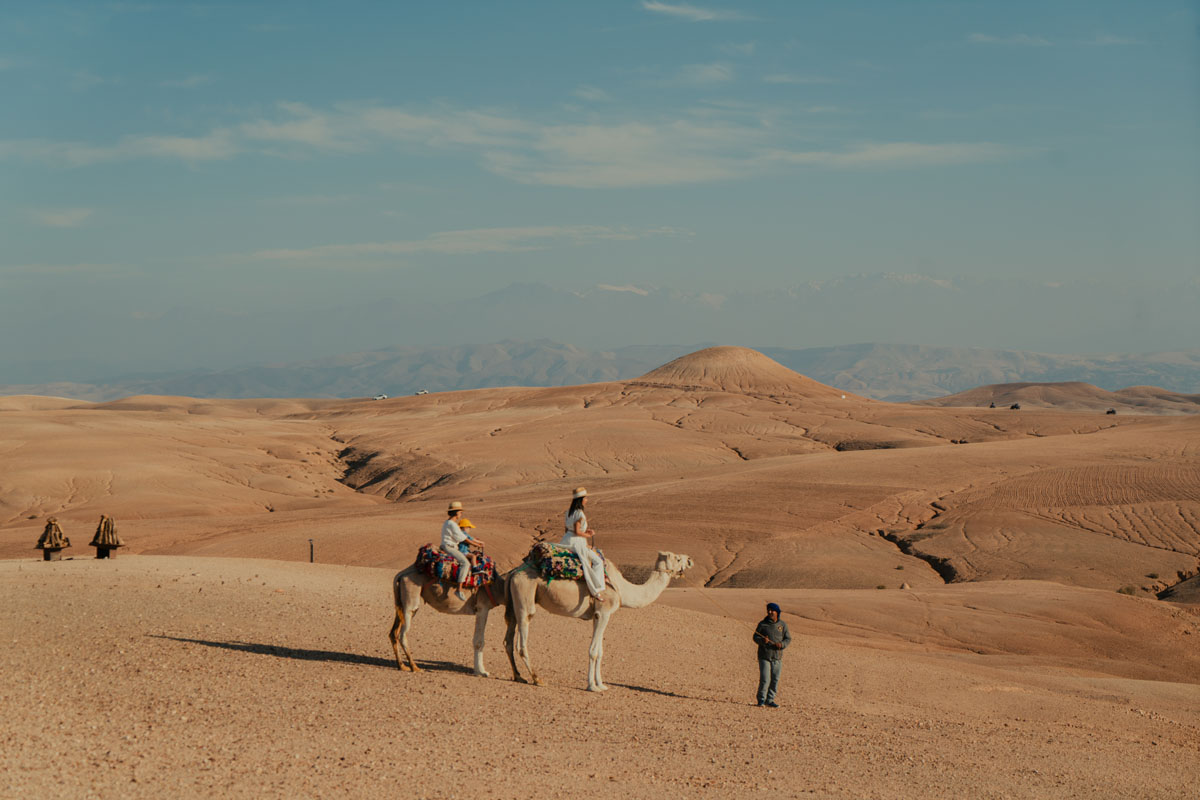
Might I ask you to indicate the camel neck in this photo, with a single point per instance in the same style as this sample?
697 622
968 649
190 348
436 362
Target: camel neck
635 595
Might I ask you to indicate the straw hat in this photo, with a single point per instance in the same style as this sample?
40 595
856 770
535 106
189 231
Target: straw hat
580 492
464 524
455 506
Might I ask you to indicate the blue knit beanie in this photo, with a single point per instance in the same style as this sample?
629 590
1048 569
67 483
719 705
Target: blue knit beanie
774 607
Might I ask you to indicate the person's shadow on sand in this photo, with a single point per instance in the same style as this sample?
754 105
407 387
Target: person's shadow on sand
301 654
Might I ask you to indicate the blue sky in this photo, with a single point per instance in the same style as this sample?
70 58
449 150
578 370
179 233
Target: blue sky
213 159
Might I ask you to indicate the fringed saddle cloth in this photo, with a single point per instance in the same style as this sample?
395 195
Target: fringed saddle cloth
556 562
433 562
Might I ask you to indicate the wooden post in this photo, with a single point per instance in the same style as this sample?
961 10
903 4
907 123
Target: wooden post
310 551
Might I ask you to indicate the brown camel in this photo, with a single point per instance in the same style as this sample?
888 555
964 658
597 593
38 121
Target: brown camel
527 590
410 587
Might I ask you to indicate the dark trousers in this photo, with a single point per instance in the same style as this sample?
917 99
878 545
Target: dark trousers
768 679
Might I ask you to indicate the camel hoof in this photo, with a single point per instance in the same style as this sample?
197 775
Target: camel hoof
415 668
519 679
537 681
602 687
483 674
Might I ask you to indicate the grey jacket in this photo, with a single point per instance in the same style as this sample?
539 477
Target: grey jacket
776 632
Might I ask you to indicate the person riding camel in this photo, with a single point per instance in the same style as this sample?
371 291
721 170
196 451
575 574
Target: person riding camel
577 537
466 546
452 537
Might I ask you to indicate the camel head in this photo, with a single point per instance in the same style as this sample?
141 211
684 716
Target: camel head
672 564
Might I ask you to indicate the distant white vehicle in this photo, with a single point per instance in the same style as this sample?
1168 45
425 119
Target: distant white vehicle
380 397
423 391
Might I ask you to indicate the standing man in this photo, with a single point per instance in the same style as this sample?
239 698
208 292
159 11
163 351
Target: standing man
771 636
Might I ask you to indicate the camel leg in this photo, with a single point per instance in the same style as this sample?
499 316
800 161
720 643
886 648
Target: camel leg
392 636
481 618
596 652
406 616
523 645
510 632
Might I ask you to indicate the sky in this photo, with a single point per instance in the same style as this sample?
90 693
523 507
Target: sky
208 184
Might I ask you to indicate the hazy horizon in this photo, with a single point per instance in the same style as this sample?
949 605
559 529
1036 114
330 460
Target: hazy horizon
207 185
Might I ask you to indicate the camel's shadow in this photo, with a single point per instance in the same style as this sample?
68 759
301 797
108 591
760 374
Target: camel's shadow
333 656
664 693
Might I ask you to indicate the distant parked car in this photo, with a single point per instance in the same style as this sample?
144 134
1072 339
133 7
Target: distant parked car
1015 406
1111 411
380 397
423 391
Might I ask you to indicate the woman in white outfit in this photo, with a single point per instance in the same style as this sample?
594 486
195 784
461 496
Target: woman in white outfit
452 536
578 537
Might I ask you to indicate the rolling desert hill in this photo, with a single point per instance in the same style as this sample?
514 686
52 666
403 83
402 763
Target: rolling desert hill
1075 396
765 477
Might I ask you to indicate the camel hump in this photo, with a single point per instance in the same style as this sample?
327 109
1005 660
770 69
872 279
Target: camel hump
556 562
431 561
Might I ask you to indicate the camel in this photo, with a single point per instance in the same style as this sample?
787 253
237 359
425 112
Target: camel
411 586
527 590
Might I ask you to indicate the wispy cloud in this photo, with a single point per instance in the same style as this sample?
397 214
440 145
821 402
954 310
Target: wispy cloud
598 155
84 79
190 82
903 154
310 200
218 144
592 93
738 48
304 126
630 288
780 77
1020 39
691 13
707 143
701 75
468 242
1108 40
84 268
62 217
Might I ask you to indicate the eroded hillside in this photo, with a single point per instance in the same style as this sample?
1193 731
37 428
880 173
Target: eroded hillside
765 477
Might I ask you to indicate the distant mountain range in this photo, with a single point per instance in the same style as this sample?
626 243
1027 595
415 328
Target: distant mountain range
1074 396
881 371
91 342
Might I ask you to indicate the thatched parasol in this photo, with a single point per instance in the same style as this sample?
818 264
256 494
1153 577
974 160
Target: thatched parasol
52 541
106 541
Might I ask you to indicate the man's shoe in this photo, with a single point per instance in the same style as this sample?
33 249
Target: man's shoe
771 704
459 595
760 704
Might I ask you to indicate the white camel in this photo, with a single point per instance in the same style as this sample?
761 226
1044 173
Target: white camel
527 590
411 586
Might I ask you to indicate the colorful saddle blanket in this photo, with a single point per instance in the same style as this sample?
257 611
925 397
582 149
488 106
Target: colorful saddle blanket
433 562
556 562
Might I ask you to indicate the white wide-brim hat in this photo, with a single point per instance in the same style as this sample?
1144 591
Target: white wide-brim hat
455 506
580 492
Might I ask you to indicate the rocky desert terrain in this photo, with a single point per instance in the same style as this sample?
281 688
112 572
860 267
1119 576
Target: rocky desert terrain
985 602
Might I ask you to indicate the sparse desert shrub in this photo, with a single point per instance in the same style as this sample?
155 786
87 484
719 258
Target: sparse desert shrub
1132 590
881 586
899 566
1152 575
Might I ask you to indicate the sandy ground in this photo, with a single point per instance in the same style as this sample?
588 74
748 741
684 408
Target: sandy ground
1027 657
184 676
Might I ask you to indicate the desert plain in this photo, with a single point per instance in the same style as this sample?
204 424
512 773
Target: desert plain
984 602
